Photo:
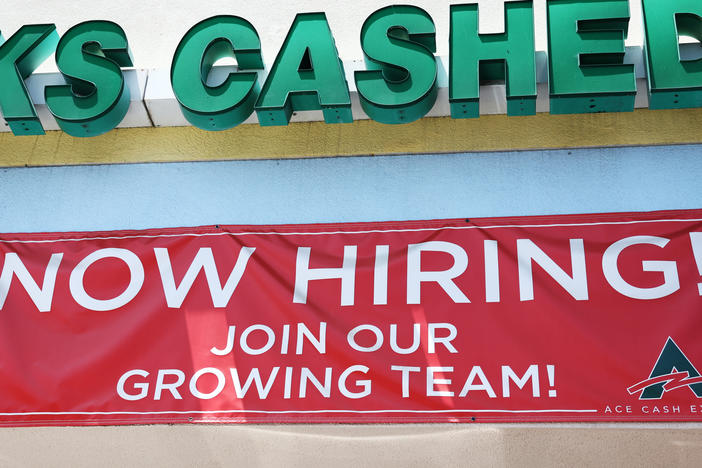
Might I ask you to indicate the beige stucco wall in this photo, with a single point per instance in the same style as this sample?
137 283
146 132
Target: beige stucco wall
355 446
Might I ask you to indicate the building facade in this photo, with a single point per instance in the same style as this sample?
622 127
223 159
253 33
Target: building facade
156 170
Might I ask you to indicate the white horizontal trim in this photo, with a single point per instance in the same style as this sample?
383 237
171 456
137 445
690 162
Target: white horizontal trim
372 231
106 413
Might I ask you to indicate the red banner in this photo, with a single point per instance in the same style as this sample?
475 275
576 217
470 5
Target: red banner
559 318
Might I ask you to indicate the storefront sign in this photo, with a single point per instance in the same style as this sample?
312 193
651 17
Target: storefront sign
560 318
587 69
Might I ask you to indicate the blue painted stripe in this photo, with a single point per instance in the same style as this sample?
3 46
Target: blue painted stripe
350 189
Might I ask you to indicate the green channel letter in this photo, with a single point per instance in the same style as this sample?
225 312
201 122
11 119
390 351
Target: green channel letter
96 98
399 85
307 75
476 58
20 55
586 57
673 83
229 103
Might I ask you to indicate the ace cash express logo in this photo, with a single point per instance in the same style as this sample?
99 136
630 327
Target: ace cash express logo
673 370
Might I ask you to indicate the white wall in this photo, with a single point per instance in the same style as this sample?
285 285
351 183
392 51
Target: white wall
154 27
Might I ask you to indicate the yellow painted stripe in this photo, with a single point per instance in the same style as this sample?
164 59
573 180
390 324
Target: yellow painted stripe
363 137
